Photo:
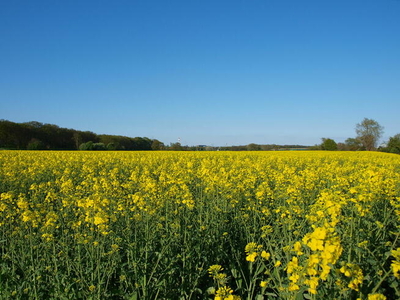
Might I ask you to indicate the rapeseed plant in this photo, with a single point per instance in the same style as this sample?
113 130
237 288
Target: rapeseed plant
144 225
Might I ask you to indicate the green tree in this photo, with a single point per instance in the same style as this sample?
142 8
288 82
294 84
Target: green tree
157 145
353 144
111 146
253 147
368 133
76 137
86 146
328 144
14 135
393 146
176 146
140 143
35 144
99 146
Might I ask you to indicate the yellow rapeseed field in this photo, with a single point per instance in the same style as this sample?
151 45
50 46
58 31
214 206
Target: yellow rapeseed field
199 225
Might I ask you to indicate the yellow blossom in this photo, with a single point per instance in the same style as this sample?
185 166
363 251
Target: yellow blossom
376 297
265 255
263 284
252 256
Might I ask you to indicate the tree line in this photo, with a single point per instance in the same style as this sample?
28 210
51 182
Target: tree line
38 136
368 133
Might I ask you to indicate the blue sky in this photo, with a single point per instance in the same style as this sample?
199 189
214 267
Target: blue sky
207 72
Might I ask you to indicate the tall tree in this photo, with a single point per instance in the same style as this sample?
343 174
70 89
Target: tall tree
393 145
157 145
76 137
176 146
368 133
353 144
328 144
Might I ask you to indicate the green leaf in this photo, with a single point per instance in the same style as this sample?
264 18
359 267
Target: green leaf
307 296
260 270
394 284
300 295
134 296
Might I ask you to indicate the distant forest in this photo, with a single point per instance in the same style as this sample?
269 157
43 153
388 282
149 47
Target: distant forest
39 136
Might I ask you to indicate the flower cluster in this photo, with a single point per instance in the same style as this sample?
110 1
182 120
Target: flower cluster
396 263
355 274
253 251
319 249
144 224
224 292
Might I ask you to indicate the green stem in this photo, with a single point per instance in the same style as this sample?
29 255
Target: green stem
380 281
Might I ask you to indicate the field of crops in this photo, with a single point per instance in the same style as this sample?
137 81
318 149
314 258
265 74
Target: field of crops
199 225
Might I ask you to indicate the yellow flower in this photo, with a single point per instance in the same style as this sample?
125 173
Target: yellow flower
294 278
251 247
316 244
345 271
293 287
221 278
251 257
319 233
376 297
265 255
297 248
396 269
313 284
396 263
47 237
293 265
223 292
100 219
263 284
214 269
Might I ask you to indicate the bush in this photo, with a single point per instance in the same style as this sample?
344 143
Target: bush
99 146
86 146
35 144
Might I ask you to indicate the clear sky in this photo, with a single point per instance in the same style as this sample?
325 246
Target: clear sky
210 72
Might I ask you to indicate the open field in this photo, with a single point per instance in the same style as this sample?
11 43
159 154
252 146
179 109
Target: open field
199 225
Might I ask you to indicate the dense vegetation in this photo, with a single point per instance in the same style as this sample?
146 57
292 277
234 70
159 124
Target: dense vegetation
199 225
39 136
